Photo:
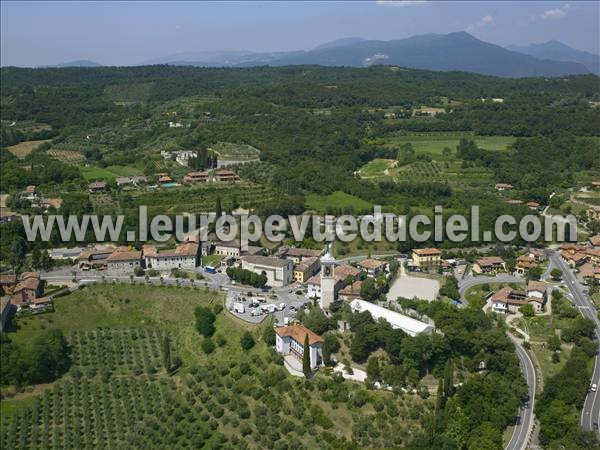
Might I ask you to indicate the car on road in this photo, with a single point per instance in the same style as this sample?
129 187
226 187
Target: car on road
594 387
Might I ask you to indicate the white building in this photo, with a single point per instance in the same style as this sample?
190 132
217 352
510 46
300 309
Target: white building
290 341
410 326
185 256
279 272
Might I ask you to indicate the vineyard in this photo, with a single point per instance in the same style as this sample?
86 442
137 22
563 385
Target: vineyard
129 350
67 156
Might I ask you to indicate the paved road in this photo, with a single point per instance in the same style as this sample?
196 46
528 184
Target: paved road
469 282
522 430
591 407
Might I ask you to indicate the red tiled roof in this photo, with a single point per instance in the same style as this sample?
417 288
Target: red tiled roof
298 333
426 251
371 264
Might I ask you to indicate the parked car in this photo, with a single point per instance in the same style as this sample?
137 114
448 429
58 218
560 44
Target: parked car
281 306
594 387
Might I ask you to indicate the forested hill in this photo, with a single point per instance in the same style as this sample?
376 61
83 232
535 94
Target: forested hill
376 79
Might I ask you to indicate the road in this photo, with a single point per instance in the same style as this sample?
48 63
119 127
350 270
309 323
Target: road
590 414
522 431
523 428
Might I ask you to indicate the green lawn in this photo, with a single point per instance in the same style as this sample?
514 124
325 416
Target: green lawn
238 152
376 168
211 260
434 143
337 201
108 173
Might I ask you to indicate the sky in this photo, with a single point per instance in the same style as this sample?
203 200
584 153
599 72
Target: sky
124 33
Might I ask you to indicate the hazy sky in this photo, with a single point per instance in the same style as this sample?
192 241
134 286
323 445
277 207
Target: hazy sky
121 33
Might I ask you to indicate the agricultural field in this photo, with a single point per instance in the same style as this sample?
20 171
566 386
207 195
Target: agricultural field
67 156
433 144
451 172
22 149
235 152
117 393
200 198
337 201
109 173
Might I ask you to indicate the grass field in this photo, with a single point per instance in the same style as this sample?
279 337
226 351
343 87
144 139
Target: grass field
108 173
433 144
337 201
22 149
376 168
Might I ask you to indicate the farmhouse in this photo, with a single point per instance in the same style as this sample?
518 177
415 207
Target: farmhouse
48 203
97 186
124 260
514 202
510 300
593 255
524 264
489 264
184 256
373 267
290 341
279 272
196 177
226 175
426 258
534 206
410 326
28 288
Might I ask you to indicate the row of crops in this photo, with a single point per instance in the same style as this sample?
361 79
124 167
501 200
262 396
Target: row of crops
126 350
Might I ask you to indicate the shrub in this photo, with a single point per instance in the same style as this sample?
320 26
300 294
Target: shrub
208 346
247 341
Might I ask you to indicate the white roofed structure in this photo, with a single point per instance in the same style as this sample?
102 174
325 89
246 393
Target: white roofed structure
410 326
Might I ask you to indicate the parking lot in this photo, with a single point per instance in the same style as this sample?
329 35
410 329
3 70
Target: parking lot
253 308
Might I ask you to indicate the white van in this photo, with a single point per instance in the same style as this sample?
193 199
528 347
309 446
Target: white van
281 306
286 321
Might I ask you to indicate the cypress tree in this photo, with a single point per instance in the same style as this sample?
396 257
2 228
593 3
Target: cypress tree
306 358
448 379
166 353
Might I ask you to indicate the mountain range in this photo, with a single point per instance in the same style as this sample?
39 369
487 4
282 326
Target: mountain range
458 51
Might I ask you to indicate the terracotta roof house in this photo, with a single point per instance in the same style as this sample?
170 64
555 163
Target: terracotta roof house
533 205
503 186
573 259
489 264
124 260
196 177
525 263
426 257
595 240
289 341
184 256
165 179
7 283
373 267
226 175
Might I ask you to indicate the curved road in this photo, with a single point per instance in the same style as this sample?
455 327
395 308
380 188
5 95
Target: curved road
524 426
590 415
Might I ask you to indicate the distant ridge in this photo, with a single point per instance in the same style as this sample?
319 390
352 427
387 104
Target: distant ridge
558 51
78 63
